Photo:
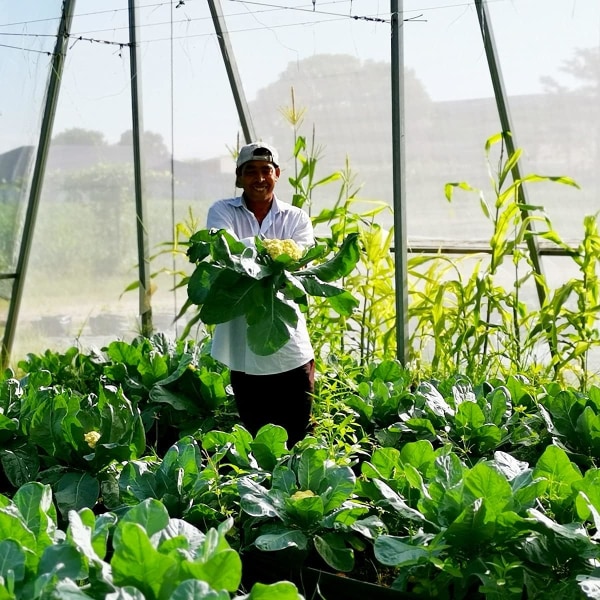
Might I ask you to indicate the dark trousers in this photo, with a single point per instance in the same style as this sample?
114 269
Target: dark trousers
282 399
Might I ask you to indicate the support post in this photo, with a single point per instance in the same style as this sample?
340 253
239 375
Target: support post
399 188
232 71
56 70
508 132
145 294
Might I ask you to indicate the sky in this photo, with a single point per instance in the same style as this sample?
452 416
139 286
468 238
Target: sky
186 94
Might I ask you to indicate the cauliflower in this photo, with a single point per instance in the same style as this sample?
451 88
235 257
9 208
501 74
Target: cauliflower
91 438
276 248
301 494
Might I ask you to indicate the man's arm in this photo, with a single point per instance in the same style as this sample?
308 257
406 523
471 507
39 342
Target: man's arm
304 234
219 217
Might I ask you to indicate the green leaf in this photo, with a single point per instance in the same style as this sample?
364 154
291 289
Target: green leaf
590 486
383 463
344 304
311 469
255 499
419 454
222 570
8 427
422 427
225 245
64 561
393 551
21 464
90 533
151 514
12 527
197 590
137 482
284 479
389 370
560 472
229 297
51 424
201 281
181 402
75 491
269 445
394 501
35 505
471 527
337 487
315 287
333 551
341 264
136 562
482 481
199 248
120 424
272 331
305 511
281 539
12 560
282 590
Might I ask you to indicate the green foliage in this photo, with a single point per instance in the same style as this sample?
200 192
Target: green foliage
75 420
469 322
152 556
478 483
242 281
309 504
446 488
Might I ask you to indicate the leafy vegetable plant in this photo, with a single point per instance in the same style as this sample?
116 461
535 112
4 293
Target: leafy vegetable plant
308 504
233 280
144 555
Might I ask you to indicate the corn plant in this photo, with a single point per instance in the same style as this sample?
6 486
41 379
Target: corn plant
477 325
572 311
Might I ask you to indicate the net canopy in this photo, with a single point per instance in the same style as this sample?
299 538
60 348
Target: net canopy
319 70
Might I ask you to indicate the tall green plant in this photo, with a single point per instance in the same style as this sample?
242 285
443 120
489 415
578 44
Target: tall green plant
369 332
476 324
573 310
306 158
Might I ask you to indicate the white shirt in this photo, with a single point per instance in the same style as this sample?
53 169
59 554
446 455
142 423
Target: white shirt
229 344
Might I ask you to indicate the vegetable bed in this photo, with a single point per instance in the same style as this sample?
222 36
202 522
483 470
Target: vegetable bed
126 474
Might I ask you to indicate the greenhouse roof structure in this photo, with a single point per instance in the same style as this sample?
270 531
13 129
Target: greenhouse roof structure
120 122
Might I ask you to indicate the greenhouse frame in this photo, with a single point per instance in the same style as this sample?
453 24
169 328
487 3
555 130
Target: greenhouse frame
398 399
43 168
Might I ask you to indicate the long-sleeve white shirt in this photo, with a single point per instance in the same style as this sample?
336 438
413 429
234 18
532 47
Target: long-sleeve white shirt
229 344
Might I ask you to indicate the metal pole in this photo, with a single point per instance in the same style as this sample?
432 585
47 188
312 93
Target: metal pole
399 188
508 133
232 71
138 171
56 69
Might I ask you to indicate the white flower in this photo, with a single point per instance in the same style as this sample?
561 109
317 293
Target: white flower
276 248
91 438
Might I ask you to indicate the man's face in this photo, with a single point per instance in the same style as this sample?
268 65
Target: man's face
258 179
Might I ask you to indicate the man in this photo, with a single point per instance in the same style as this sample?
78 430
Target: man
277 388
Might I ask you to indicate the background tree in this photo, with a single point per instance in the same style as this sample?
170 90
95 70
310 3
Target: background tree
77 136
348 103
584 68
582 96
153 142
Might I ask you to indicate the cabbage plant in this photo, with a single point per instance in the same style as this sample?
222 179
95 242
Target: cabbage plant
263 282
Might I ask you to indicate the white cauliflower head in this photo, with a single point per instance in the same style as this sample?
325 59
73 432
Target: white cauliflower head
276 248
